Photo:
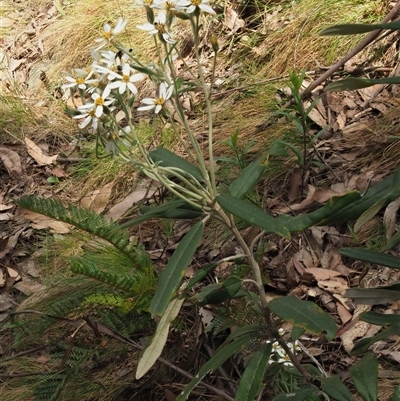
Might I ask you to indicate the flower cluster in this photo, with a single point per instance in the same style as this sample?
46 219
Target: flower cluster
278 354
107 89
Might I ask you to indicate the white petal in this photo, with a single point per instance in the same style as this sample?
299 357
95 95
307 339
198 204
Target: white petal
107 28
132 88
147 100
99 111
158 108
143 108
207 9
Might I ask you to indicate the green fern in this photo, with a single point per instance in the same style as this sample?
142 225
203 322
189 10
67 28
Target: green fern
90 222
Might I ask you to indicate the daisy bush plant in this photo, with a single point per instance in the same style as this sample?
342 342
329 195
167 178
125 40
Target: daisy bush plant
108 100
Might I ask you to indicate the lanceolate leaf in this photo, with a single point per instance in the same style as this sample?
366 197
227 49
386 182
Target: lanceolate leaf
217 293
369 214
373 296
353 29
247 179
155 348
380 319
172 275
396 394
167 158
334 387
252 214
365 255
345 208
363 345
155 211
222 354
352 83
251 381
304 314
365 377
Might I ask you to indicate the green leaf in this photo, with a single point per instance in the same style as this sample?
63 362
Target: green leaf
156 346
380 319
396 394
352 83
248 178
172 275
334 387
369 214
252 378
363 345
184 211
201 274
304 314
252 214
378 258
300 394
222 354
166 158
354 29
296 333
365 377
344 208
217 293
372 296
394 241
155 211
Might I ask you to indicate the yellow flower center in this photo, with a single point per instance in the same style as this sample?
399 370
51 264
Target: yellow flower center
159 101
125 78
196 2
107 35
91 113
80 80
99 101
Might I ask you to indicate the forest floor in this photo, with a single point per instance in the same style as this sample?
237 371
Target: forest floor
43 153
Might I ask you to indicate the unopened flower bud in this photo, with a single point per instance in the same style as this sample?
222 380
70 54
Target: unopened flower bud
214 43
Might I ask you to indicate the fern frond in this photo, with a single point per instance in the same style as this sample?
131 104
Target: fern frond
90 222
122 281
50 387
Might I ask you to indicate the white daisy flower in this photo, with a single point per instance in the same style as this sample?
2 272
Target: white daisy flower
109 33
126 80
79 78
158 27
157 103
100 101
191 5
88 115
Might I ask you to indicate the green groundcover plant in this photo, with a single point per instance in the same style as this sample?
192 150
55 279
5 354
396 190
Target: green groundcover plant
108 94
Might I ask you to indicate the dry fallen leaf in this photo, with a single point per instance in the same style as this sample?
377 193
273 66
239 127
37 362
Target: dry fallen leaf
232 20
97 200
39 222
322 274
333 287
12 162
390 217
344 314
143 191
37 153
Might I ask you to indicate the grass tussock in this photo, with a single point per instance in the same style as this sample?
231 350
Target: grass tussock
296 44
